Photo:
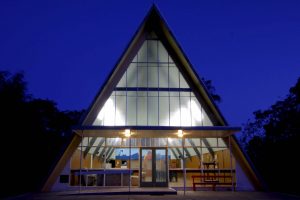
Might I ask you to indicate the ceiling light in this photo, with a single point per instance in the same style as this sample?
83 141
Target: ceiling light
127 132
180 133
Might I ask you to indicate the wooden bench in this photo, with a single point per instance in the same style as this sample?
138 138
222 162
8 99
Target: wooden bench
213 180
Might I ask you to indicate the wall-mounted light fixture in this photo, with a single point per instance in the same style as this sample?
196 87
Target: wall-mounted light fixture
127 133
180 133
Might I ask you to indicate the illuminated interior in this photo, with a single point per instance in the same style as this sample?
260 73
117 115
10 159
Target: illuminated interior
102 161
152 92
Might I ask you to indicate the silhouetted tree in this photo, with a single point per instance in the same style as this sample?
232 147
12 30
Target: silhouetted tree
272 140
212 90
33 132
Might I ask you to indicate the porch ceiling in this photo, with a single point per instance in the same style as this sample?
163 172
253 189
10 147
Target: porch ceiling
157 132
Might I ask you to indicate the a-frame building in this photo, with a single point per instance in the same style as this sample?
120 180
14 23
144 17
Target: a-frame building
153 124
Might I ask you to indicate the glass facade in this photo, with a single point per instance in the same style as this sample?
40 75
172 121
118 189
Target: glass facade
100 161
152 92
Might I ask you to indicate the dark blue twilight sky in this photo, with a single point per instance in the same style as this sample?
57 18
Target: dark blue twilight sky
250 49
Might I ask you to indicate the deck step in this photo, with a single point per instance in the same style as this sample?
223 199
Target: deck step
125 191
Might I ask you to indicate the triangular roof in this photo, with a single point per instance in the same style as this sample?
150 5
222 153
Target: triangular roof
155 22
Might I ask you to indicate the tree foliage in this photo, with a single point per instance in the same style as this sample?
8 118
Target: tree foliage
33 132
212 90
272 140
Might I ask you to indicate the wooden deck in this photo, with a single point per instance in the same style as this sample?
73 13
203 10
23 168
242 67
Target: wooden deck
124 191
180 196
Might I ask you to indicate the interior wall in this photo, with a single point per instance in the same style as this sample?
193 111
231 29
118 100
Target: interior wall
223 159
86 162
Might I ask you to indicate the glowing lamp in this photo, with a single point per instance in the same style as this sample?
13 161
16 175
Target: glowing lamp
180 133
127 132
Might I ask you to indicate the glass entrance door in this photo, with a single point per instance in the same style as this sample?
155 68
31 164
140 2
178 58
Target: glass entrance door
154 170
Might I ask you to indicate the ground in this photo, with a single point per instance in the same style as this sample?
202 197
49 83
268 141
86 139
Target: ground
205 195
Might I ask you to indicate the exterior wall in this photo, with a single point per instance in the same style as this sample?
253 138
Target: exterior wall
62 186
223 155
243 183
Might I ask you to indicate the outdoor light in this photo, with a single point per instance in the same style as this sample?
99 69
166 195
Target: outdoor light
127 132
180 133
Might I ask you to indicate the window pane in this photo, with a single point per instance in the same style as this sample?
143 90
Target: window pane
160 142
142 54
160 163
107 114
197 116
153 142
113 141
99 141
153 111
173 77
163 77
146 142
206 120
142 77
174 111
152 77
132 75
131 110
120 110
164 94
152 51
170 60
153 94
134 162
85 142
147 165
162 52
135 142
192 142
172 142
142 111
183 83
142 93
185 111
221 143
134 59
122 82
174 94
164 111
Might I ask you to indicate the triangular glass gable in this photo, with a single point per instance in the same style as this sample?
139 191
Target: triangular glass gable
152 92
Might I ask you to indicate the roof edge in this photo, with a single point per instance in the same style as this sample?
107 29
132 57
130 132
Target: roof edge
206 92
126 49
205 128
